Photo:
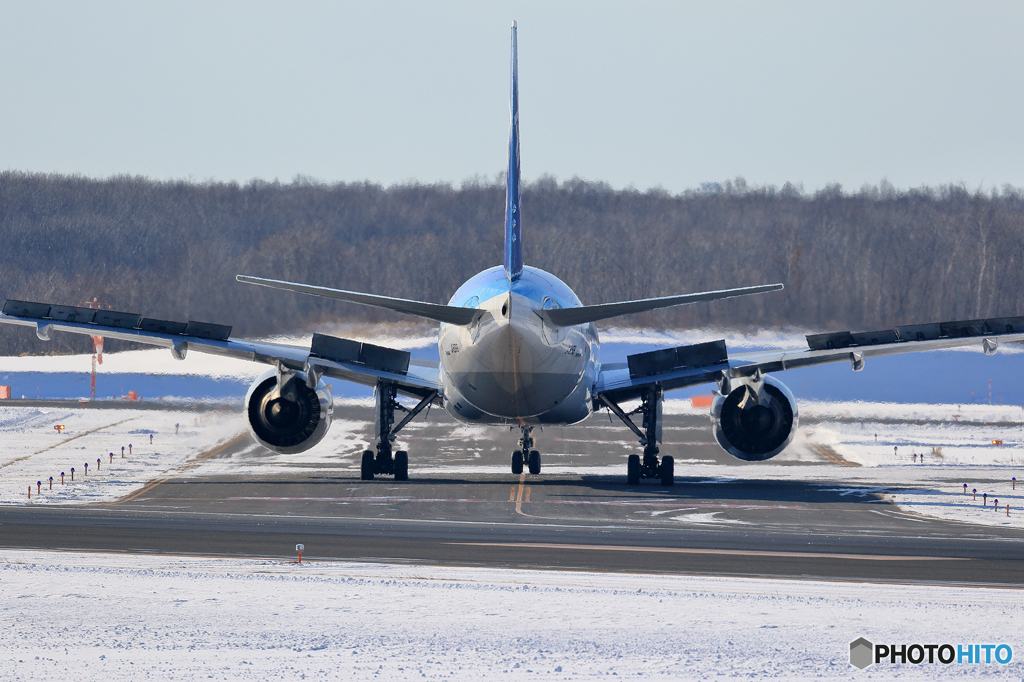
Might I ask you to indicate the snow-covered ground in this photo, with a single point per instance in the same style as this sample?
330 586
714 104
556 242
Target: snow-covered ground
33 450
74 616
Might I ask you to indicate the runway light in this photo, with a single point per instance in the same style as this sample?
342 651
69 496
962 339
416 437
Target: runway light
30 492
97 464
995 504
86 468
975 490
965 488
984 499
112 457
72 473
51 482
1014 481
39 487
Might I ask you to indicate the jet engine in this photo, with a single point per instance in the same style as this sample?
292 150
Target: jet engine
755 420
289 418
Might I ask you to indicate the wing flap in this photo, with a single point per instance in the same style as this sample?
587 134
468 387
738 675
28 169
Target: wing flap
665 368
369 365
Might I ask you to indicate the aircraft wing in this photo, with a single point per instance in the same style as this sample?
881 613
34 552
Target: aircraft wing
674 368
362 363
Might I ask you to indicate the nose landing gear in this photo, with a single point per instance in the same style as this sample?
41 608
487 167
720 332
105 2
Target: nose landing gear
526 454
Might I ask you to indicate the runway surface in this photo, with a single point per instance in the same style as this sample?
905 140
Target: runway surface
451 512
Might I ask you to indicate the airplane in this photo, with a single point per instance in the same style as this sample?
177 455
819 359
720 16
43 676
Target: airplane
516 348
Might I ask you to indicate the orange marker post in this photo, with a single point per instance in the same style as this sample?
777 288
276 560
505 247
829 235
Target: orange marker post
30 492
299 548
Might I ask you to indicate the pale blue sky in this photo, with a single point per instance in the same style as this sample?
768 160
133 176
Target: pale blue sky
671 94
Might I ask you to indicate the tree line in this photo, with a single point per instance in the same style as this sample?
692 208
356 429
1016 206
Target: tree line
864 260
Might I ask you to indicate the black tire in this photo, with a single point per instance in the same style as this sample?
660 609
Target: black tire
534 462
633 470
401 465
668 470
517 462
366 470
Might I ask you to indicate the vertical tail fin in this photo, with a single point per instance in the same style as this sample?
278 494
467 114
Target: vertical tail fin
513 241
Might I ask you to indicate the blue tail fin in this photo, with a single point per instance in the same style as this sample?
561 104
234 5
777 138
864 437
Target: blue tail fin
513 241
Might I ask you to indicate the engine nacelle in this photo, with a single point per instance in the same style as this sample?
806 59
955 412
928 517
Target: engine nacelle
291 420
754 430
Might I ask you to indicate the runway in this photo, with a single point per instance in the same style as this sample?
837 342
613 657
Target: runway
730 525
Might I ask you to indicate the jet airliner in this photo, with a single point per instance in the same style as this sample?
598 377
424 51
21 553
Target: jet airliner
516 348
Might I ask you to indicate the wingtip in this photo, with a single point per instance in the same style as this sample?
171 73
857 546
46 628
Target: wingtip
513 24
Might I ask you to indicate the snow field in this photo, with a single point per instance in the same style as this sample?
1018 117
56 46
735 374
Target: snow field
33 451
76 616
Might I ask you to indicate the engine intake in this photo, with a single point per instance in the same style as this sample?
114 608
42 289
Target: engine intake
754 430
292 419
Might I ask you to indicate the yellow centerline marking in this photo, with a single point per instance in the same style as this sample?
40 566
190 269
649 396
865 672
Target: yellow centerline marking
726 552
831 455
182 469
521 494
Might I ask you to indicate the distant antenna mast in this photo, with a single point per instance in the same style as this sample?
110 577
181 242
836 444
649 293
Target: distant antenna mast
97 348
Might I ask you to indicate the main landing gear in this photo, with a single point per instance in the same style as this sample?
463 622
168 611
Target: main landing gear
649 466
526 454
384 462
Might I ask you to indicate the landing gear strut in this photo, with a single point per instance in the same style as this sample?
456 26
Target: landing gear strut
384 461
649 466
526 454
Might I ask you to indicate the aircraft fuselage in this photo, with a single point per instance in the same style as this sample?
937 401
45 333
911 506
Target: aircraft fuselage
510 366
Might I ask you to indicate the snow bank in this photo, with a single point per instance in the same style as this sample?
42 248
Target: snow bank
68 616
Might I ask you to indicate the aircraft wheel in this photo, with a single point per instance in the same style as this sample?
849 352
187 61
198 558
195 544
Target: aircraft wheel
633 470
517 462
401 465
534 462
668 470
366 470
